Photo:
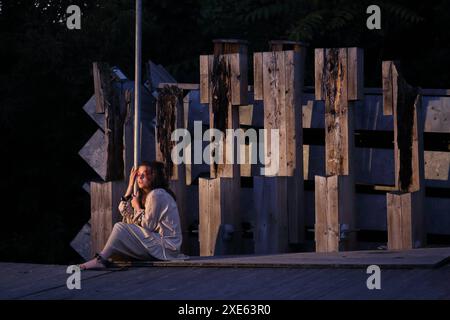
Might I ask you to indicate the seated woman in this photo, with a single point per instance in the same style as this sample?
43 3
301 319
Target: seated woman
151 224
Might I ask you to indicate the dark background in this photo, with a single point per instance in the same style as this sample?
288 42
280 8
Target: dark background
46 77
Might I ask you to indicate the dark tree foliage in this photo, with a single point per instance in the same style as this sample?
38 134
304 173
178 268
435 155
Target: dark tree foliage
46 77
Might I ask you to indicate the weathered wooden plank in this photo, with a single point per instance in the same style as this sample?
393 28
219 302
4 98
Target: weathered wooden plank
223 116
204 79
408 133
115 114
102 86
278 114
387 78
355 65
319 65
406 229
272 218
170 116
321 203
218 216
227 46
239 79
334 205
338 133
258 75
333 213
105 198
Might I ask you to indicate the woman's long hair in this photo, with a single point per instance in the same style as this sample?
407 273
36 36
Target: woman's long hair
158 177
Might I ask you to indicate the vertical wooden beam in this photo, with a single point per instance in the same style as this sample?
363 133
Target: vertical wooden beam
271 196
338 80
205 80
102 87
115 113
388 86
405 220
227 85
258 75
219 227
406 225
279 82
105 198
334 212
170 116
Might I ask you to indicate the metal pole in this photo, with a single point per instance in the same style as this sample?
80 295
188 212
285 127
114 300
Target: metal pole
137 88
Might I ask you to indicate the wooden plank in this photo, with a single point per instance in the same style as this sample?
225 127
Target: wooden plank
184 86
101 86
321 203
203 230
408 133
334 208
170 116
333 212
204 79
258 75
224 116
387 79
239 79
105 198
406 229
219 216
115 114
277 112
272 220
355 73
292 104
294 96
338 114
319 65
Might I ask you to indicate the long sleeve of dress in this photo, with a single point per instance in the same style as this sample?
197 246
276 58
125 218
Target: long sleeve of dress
154 207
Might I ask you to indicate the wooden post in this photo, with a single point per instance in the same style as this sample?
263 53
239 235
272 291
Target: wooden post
332 196
278 81
218 216
170 116
224 86
338 80
406 225
104 152
105 198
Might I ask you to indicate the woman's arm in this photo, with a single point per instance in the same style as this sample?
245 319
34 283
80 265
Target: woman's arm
154 206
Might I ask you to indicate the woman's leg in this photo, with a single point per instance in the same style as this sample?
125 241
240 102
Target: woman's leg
124 242
120 242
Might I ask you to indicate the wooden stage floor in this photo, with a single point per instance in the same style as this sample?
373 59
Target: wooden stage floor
413 274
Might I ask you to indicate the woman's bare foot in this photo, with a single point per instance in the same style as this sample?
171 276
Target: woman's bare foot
92 264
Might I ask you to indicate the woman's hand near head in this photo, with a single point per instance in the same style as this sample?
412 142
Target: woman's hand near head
132 179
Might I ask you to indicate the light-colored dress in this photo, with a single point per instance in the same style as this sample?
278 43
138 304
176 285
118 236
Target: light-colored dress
157 227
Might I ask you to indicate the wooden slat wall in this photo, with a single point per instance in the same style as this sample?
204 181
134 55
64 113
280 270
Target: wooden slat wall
105 198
